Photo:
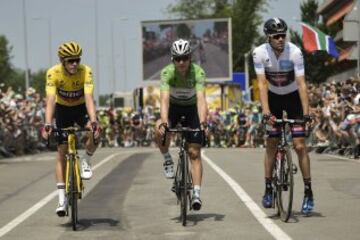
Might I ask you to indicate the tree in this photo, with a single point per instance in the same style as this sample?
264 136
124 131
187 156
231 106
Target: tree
5 66
38 81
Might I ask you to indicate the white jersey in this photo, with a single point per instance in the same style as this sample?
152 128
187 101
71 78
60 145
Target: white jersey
280 72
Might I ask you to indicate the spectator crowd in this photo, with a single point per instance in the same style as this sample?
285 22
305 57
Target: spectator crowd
334 105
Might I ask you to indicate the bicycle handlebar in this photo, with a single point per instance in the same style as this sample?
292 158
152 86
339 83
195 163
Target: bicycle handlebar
70 129
179 130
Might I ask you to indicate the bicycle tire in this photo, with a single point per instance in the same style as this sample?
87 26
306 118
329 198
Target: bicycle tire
74 197
285 187
184 189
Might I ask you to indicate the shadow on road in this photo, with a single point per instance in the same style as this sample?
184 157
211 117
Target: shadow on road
296 215
195 218
102 223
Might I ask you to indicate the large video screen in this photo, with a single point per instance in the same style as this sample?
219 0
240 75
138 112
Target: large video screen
210 40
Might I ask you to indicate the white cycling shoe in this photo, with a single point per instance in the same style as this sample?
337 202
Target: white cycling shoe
169 169
61 209
86 172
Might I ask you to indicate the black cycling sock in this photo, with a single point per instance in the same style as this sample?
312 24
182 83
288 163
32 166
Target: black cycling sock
307 186
268 184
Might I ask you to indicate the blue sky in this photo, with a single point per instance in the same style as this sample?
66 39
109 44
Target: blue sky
74 20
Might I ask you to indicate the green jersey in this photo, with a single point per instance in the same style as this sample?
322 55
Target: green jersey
182 90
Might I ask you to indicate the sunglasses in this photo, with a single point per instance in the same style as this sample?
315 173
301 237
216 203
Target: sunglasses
278 36
73 60
183 58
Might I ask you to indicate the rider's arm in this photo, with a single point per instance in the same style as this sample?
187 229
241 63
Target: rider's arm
88 91
299 69
164 106
165 77
50 106
90 107
200 95
263 89
50 97
303 94
262 82
201 106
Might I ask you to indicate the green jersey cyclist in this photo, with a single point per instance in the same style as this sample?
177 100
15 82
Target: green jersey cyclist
182 93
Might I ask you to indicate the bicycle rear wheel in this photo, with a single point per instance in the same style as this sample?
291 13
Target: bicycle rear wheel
184 189
73 195
285 186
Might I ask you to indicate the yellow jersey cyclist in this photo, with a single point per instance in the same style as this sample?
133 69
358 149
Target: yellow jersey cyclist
182 93
279 66
69 94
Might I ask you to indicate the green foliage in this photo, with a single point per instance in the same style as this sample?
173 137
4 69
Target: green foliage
38 81
5 67
14 77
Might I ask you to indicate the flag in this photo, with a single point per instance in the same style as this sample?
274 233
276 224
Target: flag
315 40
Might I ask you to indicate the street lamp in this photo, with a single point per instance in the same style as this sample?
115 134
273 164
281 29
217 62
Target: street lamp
97 76
113 54
25 49
48 22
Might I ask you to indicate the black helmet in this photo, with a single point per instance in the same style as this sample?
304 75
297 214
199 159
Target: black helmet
275 26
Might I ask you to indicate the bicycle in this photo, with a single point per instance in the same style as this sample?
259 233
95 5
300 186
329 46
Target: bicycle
74 186
283 172
182 185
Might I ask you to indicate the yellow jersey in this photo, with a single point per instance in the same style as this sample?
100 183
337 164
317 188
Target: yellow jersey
69 89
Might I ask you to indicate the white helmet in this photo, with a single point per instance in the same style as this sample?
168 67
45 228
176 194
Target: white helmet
180 47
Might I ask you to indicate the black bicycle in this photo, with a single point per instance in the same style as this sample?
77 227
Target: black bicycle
283 172
182 185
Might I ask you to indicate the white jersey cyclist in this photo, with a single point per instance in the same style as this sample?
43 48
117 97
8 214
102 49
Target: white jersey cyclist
280 72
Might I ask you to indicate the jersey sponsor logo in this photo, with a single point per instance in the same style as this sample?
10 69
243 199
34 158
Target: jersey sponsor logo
280 79
71 96
286 65
258 65
76 83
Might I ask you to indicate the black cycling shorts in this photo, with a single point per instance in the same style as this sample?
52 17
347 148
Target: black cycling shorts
291 104
67 116
191 121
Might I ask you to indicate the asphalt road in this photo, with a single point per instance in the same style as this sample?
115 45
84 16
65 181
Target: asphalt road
129 198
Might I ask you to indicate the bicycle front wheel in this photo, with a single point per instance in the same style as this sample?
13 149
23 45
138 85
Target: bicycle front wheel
184 189
285 186
73 195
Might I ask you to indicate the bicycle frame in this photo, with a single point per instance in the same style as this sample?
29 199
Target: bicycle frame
183 179
72 159
73 182
283 171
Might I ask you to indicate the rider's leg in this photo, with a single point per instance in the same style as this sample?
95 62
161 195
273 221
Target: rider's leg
271 144
60 178
194 151
304 162
90 147
164 149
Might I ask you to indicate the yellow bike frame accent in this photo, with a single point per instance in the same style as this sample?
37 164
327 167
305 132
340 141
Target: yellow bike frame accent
72 153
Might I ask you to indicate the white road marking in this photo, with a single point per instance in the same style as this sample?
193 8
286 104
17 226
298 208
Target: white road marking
263 219
344 158
22 217
29 159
